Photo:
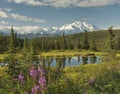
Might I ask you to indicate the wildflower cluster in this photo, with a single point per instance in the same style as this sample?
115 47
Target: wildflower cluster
38 76
33 73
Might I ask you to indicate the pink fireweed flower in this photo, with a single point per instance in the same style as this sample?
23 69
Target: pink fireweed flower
42 82
35 90
40 71
33 72
21 78
91 81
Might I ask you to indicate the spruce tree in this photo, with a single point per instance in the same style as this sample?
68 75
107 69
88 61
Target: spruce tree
64 42
25 46
15 40
57 44
111 37
13 66
19 42
32 52
85 44
43 44
12 41
93 44
70 45
79 45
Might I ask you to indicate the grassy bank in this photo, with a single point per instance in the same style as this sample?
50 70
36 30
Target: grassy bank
60 53
2 56
70 53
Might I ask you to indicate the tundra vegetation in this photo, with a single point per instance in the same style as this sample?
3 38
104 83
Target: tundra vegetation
23 70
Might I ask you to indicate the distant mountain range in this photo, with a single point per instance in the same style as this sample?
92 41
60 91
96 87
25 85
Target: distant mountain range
72 28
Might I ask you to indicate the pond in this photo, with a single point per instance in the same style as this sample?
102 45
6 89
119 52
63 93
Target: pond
66 61
69 61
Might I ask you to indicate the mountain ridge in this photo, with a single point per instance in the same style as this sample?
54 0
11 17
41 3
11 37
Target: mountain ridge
75 27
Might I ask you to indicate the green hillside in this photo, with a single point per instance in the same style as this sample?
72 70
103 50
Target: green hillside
101 37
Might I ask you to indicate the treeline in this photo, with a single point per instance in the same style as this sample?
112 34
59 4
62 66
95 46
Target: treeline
10 43
95 41
64 42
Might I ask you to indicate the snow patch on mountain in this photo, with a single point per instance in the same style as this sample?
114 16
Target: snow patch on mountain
77 27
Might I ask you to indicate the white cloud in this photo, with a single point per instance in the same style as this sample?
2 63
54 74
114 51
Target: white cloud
19 17
67 3
5 13
26 29
4 28
5 9
3 22
96 3
25 18
28 2
22 29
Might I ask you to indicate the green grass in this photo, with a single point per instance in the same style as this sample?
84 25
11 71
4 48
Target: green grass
69 53
2 56
74 80
60 53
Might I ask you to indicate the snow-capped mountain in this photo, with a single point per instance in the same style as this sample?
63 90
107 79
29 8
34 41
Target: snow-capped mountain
72 28
77 27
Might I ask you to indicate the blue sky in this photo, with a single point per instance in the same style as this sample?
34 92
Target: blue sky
49 13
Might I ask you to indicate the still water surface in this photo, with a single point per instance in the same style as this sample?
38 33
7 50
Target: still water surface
66 61
69 61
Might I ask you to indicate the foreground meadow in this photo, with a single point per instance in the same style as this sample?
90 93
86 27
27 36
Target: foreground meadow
22 76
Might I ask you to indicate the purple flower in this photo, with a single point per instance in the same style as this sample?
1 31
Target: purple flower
42 82
38 77
91 81
41 71
33 73
35 90
21 78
